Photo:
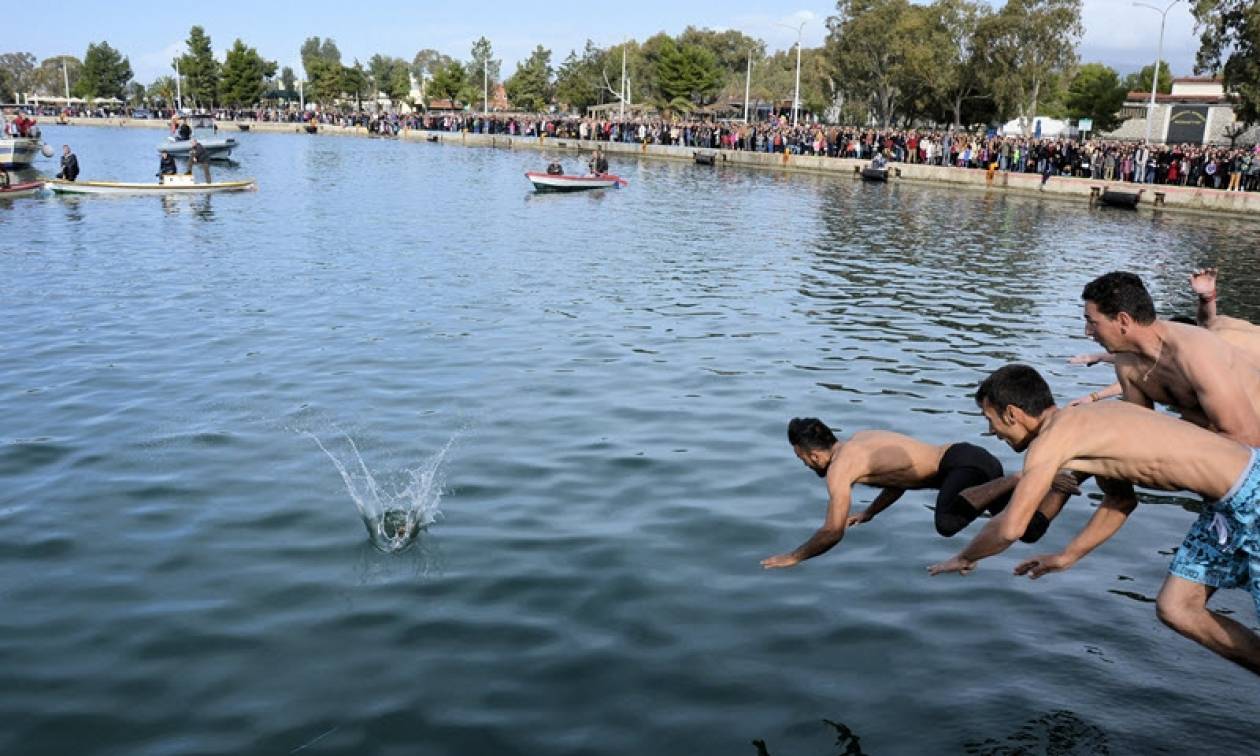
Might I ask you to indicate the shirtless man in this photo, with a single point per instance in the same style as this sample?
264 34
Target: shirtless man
1236 331
1208 381
898 463
1125 445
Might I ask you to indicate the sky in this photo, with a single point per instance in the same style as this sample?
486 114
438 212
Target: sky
151 34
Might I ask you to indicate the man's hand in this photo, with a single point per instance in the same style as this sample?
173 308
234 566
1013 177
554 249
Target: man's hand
1044 565
1087 359
1065 483
956 564
860 518
1203 282
780 560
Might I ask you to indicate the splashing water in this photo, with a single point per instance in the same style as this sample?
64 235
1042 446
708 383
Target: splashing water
393 520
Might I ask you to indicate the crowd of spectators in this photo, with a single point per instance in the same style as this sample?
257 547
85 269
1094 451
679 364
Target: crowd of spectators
1212 166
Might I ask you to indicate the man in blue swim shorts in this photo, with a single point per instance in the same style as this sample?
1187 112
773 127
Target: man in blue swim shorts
1122 445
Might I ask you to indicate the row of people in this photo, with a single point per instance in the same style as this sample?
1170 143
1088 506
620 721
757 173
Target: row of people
1208 375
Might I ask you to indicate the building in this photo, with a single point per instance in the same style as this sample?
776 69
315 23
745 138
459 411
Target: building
1196 111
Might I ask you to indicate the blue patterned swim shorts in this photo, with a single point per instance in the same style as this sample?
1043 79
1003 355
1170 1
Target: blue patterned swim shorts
1222 547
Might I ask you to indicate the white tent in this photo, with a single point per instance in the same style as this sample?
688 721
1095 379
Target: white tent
1039 126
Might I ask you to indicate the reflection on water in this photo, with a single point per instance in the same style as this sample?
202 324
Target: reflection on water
1059 733
847 742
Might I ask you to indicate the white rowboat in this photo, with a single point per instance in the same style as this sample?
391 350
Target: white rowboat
119 188
21 190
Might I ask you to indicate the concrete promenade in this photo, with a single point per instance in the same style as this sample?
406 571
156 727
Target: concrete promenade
1155 197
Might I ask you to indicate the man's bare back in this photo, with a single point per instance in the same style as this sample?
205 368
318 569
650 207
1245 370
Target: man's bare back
885 458
1121 441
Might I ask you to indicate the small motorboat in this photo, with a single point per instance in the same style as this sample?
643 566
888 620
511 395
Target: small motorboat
25 189
558 182
871 173
432 138
1120 198
177 184
311 128
204 130
705 158
243 126
19 152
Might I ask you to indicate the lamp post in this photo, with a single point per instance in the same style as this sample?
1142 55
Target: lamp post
179 92
747 85
485 85
1159 53
796 95
66 78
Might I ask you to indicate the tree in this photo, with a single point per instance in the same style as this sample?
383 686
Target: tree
17 74
1096 93
355 81
1229 43
288 81
390 76
482 69
1141 81
199 69
50 79
315 52
956 65
105 73
577 80
531 88
428 62
686 75
867 42
1028 44
136 93
162 90
244 76
449 82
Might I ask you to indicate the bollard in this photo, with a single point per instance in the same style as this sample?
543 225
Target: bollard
1093 195
1159 199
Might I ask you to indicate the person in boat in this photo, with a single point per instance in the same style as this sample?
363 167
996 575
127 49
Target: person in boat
879 162
69 164
167 166
1126 445
4 179
184 132
555 169
198 155
599 163
960 472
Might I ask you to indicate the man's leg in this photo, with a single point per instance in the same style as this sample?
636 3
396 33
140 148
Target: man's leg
1182 605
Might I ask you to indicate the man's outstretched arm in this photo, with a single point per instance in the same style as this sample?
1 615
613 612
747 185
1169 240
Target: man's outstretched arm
1203 283
884 500
1118 503
825 537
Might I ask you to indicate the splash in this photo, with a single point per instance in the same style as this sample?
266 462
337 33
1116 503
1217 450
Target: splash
393 520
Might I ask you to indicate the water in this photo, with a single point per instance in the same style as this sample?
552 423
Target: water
183 570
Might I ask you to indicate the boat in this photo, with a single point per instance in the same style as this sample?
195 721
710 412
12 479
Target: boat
18 152
243 126
24 189
870 173
204 130
558 182
705 158
179 184
1120 198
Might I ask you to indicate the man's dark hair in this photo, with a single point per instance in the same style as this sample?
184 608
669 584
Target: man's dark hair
810 433
1017 385
1120 291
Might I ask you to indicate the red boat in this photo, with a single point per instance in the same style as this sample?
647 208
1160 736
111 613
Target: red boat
558 182
8 191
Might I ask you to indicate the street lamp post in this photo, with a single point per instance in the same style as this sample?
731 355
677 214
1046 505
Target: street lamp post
795 97
179 92
485 86
1159 54
747 85
66 78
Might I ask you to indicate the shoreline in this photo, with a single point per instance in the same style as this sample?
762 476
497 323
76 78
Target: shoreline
1156 198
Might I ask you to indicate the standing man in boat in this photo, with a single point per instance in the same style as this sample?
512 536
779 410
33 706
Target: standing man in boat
197 155
69 164
599 163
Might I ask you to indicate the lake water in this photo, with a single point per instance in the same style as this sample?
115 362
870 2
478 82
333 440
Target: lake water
597 387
